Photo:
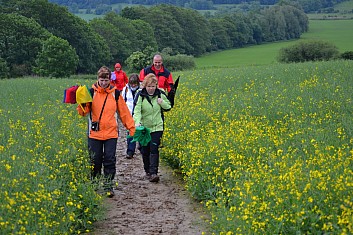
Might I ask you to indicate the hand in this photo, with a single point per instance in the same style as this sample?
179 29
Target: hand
138 124
159 100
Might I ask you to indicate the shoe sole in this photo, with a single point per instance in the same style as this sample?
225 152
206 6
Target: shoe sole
155 179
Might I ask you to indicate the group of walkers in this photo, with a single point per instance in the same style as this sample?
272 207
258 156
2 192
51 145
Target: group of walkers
138 100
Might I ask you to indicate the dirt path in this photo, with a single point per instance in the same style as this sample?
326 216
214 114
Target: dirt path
141 207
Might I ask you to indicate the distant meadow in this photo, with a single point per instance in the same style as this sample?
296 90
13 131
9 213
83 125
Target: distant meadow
339 32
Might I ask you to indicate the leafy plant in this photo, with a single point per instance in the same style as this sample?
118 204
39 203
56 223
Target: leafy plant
57 58
315 50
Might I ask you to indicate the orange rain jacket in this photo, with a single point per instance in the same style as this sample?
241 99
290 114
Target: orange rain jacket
108 125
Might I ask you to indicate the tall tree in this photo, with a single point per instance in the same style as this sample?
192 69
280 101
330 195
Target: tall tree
118 43
167 30
56 59
21 40
220 38
196 29
90 46
138 33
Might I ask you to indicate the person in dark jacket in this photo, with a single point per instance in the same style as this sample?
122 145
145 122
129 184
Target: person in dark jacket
148 113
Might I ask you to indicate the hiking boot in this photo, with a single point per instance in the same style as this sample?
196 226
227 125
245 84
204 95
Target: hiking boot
154 178
147 176
129 156
110 193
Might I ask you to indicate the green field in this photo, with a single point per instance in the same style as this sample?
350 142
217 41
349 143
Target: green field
338 32
266 149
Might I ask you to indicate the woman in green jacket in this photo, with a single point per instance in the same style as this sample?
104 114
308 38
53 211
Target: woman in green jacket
148 113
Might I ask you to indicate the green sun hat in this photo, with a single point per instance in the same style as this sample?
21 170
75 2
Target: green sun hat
142 135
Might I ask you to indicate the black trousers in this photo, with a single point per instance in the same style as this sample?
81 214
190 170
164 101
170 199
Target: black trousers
150 153
102 153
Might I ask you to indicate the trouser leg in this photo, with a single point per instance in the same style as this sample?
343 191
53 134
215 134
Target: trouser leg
131 146
145 151
109 162
154 163
154 152
96 156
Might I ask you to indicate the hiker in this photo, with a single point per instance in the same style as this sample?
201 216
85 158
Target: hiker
148 113
106 104
164 77
119 78
128 94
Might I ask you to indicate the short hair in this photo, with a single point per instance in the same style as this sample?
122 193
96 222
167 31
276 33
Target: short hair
104 72
157 55
149 79
134 79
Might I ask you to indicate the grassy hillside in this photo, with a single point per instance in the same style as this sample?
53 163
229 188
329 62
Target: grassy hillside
339 32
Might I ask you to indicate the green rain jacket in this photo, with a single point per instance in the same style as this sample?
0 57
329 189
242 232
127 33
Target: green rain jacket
148 112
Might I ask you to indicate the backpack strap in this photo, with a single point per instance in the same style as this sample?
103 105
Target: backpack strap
125 94
91 91
159 96
137 95
117 94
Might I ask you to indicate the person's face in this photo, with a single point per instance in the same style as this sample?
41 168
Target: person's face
157 62
133 85
103 82
117 69
150 88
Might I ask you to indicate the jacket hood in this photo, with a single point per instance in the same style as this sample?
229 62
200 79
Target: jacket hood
100 89
145 93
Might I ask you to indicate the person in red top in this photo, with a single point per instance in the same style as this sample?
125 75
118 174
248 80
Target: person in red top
165 79
119 78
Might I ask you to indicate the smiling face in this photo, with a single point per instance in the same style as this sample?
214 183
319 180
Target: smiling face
157 62
103 82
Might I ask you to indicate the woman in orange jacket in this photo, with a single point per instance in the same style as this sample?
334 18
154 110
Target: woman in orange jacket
103 127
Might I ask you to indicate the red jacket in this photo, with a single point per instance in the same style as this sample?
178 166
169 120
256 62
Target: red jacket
120 81
165 79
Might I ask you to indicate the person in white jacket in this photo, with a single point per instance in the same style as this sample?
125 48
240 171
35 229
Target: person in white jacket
128 93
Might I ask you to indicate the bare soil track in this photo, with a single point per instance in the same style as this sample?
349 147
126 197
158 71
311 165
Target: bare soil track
141 207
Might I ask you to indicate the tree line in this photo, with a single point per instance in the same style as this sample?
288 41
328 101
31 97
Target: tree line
307 5
37 36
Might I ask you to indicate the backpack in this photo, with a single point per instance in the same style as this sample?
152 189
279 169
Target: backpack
159 96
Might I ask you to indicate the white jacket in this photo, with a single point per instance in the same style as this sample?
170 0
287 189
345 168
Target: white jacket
127 96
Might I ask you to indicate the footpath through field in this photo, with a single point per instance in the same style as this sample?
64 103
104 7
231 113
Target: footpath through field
144 208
